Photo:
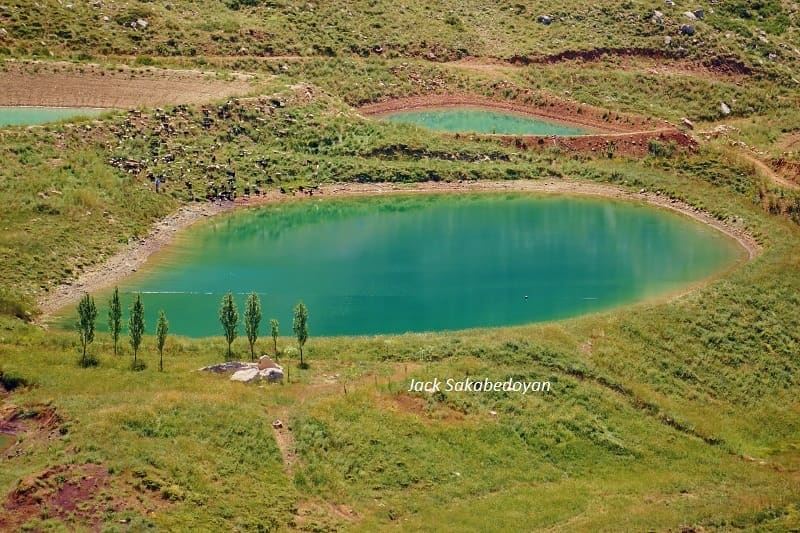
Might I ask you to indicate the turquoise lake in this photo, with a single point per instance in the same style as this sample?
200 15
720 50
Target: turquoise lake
27 116
422 263
475 120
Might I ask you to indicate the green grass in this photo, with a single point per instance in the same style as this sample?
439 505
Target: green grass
663 414
441 31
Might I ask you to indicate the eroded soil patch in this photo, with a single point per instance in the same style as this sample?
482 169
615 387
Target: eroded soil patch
421 408
23 428
318 515
66 492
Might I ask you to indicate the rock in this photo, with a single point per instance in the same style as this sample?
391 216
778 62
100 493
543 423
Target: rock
142 23
3 32
544 19
687 29
271 374
277 424
245 376
670 3
658 17
699 14
723 107
228 366
689 15
667 40
688 123
266 361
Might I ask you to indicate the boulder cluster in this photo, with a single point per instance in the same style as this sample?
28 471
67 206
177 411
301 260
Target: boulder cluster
264 369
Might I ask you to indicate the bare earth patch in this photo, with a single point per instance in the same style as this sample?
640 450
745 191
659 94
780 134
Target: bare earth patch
418 407
66 492
284 439
66 85
319 515
26 427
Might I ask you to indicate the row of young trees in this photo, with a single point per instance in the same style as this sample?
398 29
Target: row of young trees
87 315
228 317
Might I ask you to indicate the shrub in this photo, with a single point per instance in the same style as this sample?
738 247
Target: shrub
88 361
660 149
16 305
10 382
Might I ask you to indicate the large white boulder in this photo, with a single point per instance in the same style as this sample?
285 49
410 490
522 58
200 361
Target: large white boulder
247 375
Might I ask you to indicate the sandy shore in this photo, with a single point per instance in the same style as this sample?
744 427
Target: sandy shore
134 255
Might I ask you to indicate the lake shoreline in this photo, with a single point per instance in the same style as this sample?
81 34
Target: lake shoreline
134 255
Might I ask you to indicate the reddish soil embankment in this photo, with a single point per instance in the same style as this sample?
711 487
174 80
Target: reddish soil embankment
612 132
720 64
66 85
788 169
36 424
67 492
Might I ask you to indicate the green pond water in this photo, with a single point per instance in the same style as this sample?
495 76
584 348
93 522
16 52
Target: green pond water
471 120
26 116
421 263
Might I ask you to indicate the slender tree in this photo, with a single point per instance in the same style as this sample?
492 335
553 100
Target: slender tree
115 317
161 334
275 331
252 320
300 327
229 318
87 313
136 327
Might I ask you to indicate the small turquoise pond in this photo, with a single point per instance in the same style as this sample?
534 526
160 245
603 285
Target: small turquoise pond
476 120
425 263
27 116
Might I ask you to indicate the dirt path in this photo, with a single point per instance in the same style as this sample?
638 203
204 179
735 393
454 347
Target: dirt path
765 170
323 388
284 439
129 259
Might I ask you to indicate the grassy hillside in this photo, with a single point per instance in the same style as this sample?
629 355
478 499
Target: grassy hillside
758 33
676 414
